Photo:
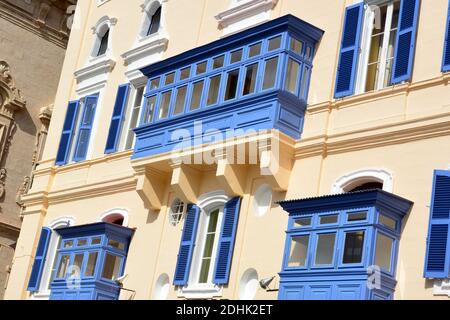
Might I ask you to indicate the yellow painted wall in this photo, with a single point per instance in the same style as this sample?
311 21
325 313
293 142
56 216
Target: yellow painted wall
402 129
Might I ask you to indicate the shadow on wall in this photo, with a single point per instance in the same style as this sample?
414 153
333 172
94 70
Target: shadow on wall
25 123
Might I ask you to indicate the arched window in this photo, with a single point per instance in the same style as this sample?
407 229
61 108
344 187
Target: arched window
364 180
155 22
116 216
102 31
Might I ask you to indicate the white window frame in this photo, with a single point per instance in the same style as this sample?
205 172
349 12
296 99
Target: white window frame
363 176
149 8
99 30
369 17
44 285
126 127
194 290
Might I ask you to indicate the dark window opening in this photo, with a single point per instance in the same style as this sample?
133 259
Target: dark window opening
103 44
155 22
114 219
353 249
367 186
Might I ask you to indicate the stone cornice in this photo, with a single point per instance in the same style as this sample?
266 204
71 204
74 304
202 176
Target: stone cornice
96 68
244 9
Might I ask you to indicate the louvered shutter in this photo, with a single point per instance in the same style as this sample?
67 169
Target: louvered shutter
67 134
446 59
437 260
187 246
226 241
39 260
349 52
406 41
85 129
115 127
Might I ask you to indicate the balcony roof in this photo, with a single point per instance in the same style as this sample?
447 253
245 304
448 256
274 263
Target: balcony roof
302 29
366 198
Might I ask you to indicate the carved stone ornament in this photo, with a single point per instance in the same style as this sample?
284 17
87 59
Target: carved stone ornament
12 99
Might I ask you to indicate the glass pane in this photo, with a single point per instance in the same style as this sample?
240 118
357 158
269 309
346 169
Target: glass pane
180 101
232 83
213 221
304 86
82 242
88 116
353 249
68 244
201 68
250 79
150 110
185 73
196 95
155 22
325 249
95 241
308 52
254 50
63 265
270 73
165 105
116 244
328 219
170 78
302 222
383 254
292 76
296 46
357 216
90 266
388 222
236 56
111 267
83 144
204 271
134 117
299 251
213 93
218 62
274 43
77 264
154 84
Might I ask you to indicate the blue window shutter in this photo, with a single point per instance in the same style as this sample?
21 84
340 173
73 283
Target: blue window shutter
226 242
187 246
85 129
67 134
349 53
406 41
446 59
39 260
437 260
117 119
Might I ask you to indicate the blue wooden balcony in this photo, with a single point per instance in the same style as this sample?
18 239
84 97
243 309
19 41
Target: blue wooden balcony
251 81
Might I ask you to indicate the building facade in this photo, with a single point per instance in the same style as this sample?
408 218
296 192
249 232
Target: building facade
33 38
245 149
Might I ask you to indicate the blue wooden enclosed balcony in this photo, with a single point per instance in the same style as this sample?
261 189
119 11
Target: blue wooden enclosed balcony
255 80
342 247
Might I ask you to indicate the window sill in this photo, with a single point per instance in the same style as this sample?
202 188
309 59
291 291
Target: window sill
94 73
200 291
40 296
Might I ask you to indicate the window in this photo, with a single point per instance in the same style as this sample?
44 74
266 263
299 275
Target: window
388 222
232 84
104 40
89 105
325 249
196 98
353 247
165 105
292 76
377 53
180 100
299 251
270 73
150 108
213 92
383 254
155 22
176 212
132 117
207 240
329 219
302 222
208 247
250 79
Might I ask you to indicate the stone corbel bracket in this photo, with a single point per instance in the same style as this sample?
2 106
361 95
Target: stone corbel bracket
11 99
